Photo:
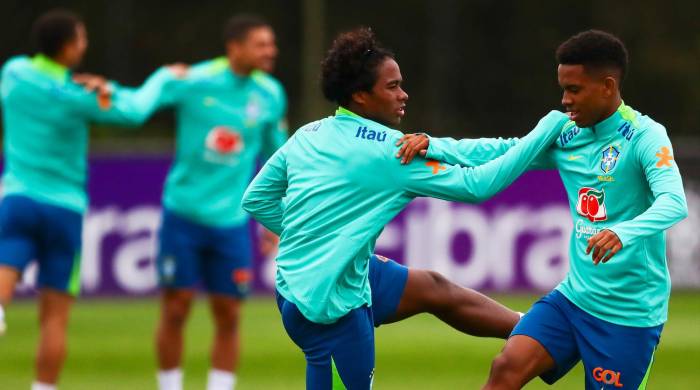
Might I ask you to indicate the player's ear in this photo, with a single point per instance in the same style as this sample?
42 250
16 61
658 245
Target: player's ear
610 84
360 97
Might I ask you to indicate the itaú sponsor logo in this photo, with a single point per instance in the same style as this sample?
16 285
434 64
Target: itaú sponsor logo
583 230
608 377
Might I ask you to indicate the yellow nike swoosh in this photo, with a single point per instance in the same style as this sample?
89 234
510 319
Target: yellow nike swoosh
573 158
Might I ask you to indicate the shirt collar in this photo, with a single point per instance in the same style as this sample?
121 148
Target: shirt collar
344 111
50 67
611 124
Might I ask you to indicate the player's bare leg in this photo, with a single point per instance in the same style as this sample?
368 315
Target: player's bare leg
54 310
522 359
226 344
463 309
175 307
9 277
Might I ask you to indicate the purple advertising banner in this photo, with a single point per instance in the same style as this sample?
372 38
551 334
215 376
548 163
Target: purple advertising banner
516 241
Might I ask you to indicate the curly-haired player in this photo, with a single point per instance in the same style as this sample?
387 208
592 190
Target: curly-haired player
330 190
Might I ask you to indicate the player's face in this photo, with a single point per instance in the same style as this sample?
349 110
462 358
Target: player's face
586 96
74 50
386 102
258 50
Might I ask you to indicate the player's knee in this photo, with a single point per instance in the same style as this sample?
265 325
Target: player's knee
503 368
175 316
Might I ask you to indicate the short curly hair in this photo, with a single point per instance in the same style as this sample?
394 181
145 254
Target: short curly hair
53 30
594 49
351 65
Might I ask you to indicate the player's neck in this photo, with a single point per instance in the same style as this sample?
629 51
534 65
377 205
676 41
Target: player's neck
239 69
612 109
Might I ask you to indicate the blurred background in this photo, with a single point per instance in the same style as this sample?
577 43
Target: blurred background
474 68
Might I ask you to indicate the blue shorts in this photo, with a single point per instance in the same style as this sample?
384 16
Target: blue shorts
387 279
31 230
614 356
219 258
338 355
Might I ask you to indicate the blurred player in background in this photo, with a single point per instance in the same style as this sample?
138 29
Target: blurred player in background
229 112
624 191
330 190
45 118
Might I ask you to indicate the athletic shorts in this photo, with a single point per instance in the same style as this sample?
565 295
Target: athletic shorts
32 230
387 279
614 356
338 355
218 257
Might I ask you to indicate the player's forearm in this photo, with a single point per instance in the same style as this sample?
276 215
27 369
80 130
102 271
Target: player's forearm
136 105
468 152
267 212
667 210
486 180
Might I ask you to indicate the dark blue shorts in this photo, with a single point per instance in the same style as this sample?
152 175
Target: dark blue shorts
387 279
614 356
190 253
338 355
31 230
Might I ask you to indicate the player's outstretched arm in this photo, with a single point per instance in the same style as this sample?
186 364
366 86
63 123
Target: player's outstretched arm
263 197
465 152
449 182
108 102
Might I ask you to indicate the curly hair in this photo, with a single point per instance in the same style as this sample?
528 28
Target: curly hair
351 65
594 49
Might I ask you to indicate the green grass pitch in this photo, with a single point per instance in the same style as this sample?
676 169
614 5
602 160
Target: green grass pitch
111 347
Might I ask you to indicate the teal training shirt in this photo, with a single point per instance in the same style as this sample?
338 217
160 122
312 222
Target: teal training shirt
618 175
329 191
45 119
224 123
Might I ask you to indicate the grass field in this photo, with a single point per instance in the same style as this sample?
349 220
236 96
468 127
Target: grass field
110 347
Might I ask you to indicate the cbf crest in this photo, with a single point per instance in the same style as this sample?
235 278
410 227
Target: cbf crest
609 159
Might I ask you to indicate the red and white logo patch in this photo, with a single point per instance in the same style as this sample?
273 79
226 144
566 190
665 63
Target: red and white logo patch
224 140
591 204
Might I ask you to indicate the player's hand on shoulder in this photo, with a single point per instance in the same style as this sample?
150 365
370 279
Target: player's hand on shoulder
178 69
604 246
99 85
411 145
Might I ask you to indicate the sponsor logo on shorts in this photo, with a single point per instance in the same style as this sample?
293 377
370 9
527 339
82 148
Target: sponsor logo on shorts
591 204
241 278
168 269
382 258
608 377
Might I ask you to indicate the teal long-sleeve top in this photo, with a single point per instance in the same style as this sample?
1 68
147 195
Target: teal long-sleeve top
619 175
329 191
46 117
225 122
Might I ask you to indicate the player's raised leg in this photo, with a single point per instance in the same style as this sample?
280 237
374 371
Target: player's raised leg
399 292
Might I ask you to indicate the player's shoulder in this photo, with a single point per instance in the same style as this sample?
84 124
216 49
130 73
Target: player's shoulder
645 127
207 69
269 85
16 64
